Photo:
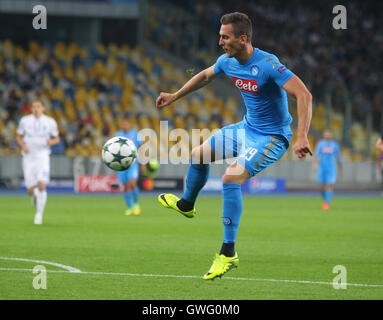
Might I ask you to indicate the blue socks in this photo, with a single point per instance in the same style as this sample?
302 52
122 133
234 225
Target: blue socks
128 199
232 202
135 193
131 198
328 196
232 210
322 192
195 180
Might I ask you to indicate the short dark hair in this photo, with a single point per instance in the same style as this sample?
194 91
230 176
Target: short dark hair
241 24
37 100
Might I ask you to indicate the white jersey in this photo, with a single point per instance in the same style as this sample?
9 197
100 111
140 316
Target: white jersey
36 133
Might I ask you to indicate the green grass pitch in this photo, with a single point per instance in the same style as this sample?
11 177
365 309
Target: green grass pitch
280 238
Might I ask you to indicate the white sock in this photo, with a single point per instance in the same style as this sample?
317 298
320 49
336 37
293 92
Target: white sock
41 200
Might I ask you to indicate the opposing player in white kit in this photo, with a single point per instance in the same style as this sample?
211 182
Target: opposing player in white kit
36 133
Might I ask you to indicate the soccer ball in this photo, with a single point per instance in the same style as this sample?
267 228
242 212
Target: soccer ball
119 153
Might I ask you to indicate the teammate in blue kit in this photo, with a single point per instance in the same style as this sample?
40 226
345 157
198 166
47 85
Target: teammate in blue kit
260 139
129 177
327 154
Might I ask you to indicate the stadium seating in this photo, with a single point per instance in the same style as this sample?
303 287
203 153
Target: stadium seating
89 89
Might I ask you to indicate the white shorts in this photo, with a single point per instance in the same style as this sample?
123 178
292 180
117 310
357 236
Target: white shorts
36 169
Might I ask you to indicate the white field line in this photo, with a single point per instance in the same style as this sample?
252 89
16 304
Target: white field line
63 266
195 277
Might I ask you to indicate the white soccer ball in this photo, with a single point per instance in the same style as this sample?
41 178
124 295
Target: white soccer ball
119 153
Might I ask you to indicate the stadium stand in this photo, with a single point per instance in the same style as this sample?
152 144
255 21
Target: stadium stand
89 89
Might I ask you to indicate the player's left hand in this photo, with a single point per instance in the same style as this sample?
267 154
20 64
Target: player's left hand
302 147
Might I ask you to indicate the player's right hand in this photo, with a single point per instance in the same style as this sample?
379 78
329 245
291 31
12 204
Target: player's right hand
164 99
25 149
302 147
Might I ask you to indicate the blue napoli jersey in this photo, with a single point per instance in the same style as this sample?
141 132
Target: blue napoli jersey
329 153
260 81
131 134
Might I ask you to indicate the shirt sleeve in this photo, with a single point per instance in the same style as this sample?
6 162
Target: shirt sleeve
277 72
21 128
218 67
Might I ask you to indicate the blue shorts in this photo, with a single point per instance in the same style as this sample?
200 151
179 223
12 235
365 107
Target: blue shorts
131 173
253 151
326 176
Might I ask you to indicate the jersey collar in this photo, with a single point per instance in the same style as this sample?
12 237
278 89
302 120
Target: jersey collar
251 60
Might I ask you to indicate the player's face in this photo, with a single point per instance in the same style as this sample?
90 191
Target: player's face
37 109
125 125
327 135
229 42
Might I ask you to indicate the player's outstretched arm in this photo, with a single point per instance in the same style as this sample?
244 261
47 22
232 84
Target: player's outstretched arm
198 81
296 87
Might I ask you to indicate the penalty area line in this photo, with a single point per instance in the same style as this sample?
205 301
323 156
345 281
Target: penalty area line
142 275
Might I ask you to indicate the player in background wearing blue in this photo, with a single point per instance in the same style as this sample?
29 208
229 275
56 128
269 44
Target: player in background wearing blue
379 146
129 177
260 139
326 158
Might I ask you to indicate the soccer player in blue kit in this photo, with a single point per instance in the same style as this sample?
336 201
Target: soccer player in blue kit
326 158
129 177
260 139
